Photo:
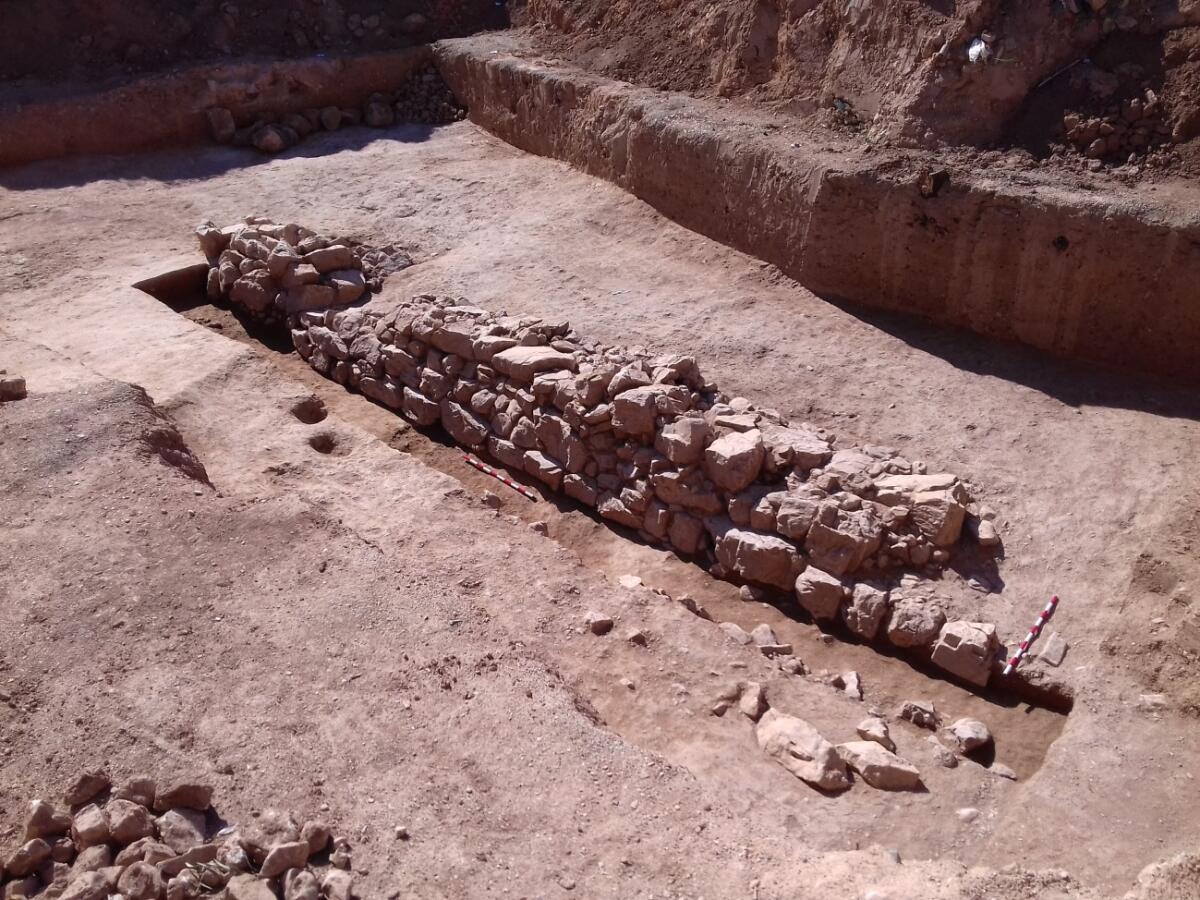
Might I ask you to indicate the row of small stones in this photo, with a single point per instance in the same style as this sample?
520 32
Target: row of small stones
338 344
144 841
425 99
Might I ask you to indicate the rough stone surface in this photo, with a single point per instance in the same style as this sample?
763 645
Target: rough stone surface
820 593
879 767
876 729
914 622
967 650
800 748
967 734
865 611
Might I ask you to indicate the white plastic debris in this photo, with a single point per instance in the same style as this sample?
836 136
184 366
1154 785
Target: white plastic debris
978 51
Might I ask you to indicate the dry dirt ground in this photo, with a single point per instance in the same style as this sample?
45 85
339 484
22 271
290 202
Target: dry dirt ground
355 633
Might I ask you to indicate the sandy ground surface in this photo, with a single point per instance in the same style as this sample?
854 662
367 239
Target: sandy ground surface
357 629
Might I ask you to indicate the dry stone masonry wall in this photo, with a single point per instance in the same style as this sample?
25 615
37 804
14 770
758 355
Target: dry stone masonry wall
648 442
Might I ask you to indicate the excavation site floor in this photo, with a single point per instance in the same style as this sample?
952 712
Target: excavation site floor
329 618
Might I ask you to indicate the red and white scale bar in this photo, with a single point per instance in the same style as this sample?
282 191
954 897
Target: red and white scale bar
1032 636
500 476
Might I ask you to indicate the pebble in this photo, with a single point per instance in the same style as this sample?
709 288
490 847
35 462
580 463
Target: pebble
968 814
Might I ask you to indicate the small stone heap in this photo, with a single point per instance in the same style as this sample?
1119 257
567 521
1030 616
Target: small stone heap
270 272
650 444
424 98
1127 129
144 841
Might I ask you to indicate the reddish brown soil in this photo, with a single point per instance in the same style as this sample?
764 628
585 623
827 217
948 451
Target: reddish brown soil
895 70
331 621
71 40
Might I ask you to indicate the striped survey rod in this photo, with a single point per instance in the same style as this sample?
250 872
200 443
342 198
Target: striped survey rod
1032 636
501 477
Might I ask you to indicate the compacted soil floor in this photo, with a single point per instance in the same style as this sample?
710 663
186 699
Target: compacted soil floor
327 617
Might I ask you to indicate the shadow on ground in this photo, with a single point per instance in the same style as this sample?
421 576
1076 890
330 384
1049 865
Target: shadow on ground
1074 383
169 165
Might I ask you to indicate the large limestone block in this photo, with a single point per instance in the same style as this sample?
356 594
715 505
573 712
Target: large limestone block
522 363
966 649
734 461
820 593
879 767
800 748
756 556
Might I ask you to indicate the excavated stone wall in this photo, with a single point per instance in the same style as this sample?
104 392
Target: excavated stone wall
649 443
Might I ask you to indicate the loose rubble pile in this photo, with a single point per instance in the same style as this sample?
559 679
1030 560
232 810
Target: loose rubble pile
1127 129
270 272
424 98
144 841
648 442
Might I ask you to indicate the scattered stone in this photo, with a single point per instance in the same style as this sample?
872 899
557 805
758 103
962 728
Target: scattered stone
800 748
337 885
44 821
90 826
968 734
248 887
26 858
942 753
12 387
281 857
1002 771
181 829
967 814
865 611
636 636
598 623
736 633
317 835
1053 650
921 713
851 685
631 582
876 729
128 821
725 699
87 786
820 593
914 622
301 885
733 461
753 702
137 790
141 881
188 794
879 767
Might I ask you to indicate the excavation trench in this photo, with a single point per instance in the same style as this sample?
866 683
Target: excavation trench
1026 718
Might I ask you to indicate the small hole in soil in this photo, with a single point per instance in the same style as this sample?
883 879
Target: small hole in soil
1061 244
310 411
323 442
